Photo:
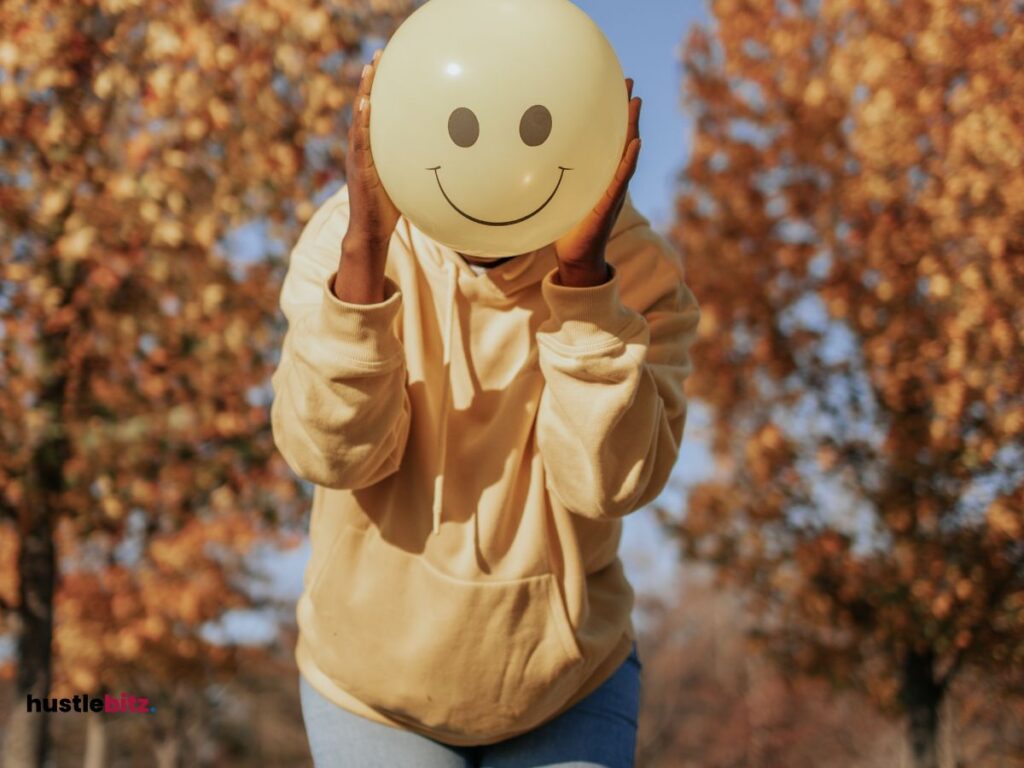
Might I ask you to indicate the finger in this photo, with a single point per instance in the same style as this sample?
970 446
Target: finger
624 173
366 149
633 131
365 84
610 204
359 127
359 133
627 167
629 87
366 81
364 113
361 144
365 156
632 159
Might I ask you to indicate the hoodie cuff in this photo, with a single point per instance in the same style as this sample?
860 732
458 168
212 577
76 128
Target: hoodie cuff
587 317
362 332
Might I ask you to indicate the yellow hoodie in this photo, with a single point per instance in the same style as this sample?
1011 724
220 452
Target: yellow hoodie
475 441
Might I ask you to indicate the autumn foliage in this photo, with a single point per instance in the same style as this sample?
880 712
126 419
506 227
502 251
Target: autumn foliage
852 219
712 699
853 223
143 146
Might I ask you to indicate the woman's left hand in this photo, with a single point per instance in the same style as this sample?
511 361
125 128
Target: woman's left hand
580 252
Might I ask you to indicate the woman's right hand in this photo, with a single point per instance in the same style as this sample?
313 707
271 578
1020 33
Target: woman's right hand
372 215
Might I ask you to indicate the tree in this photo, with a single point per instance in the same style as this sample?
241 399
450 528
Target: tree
136 138
710 699
853 222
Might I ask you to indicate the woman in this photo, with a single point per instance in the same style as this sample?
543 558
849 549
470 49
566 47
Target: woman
475 433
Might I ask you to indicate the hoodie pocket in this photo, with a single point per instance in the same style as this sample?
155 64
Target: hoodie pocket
471 659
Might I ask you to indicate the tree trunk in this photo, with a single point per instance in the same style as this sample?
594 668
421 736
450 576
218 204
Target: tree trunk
25 745
169 750
922 698
26 742
95 741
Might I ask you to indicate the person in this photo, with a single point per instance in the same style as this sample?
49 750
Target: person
475 431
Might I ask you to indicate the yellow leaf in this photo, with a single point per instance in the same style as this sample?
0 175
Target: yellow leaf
8 55
1003 520
75 245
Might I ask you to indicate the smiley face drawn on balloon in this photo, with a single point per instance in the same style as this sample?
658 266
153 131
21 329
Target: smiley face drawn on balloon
496 125
534 130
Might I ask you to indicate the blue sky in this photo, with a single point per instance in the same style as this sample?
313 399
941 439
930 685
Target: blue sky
647 36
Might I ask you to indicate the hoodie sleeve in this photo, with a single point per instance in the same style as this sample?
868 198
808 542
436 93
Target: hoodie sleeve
614 359
340 415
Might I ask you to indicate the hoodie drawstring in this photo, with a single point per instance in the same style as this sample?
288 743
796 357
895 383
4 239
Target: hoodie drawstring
442 434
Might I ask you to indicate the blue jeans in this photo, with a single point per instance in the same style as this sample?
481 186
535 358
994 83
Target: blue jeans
599 731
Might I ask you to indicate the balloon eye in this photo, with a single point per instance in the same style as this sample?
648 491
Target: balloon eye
535 127
463 127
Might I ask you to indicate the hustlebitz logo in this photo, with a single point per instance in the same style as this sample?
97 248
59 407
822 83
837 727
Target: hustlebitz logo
83 702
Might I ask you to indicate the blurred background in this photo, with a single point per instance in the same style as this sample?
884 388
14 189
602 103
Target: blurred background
835 574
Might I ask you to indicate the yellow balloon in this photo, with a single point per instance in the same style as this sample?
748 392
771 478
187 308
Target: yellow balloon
496 125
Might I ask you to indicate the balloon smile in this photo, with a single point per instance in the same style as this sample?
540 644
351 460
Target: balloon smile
486 223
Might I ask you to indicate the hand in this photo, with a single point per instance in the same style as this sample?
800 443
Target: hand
372 214
580 252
